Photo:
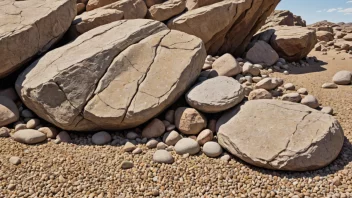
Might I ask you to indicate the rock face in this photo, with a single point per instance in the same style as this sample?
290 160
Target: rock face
94 4
293 42
262 52
95 18
193 4
8 111
35 24
226 26
166 10
132 9
215 95
308 140
116 76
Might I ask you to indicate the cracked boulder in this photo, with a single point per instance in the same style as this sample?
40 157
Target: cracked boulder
29 28
115 76
283 136
293 42
226 26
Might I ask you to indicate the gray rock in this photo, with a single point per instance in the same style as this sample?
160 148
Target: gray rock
327 110
126 165
289 86
171 138
5 132
269 83
8 111
187 145
342 78
262 52
310 101
215 95
155 128
302 91
212 149
205 136
161 146
259 94
329 86
152 143
292 97
162 156
249 68
63 136
15 160
101 138
226 65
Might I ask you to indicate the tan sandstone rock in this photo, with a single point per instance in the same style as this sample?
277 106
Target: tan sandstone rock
262 52
305 139
115 76
29 28
132 9
189 121
166 10
226 26
8 111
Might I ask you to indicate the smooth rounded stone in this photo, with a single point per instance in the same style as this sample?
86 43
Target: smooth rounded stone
170 116
249 79
292 97
205 136
152 143
269 83
342 78
187 145
15 160
327 110
189 121
257 79
32 123
212 149
8 111
329 86
129 147
286 72
50 132
155 128
161 146
171 138
226 157
302 91
26 113
270 70
249 68
101 138
166 123
170 148
289 86
262 52
215 95
259 94
63 136
163 156
308 140
4 132
126 165
170 127
310 101
226 65
29 136
137 151
131 135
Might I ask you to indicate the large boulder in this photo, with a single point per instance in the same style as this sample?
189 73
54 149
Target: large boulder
342 78
283 17
194 4
215 95
94 4
283 136
293 42
115 76
324 36
262 52
166 10
29 28
226 26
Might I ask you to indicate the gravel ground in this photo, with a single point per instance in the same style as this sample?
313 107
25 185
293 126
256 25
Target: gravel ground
77 170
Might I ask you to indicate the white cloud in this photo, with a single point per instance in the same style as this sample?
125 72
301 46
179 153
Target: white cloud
346 11
332 10
319 11
349 2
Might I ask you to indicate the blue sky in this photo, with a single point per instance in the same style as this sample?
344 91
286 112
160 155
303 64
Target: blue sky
318 10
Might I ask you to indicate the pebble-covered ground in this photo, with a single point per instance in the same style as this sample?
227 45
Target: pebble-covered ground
84 170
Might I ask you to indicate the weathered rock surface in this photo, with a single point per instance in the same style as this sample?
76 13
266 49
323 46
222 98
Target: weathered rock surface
324 36
308 140
258 94
115 76
293 42
94 4
215 95
132 9
8 111
226 26
225 65
189 121
29 28
95 18
262 52
166 10
193 4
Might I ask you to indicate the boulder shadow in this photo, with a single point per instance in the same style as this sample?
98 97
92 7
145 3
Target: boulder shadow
312 68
